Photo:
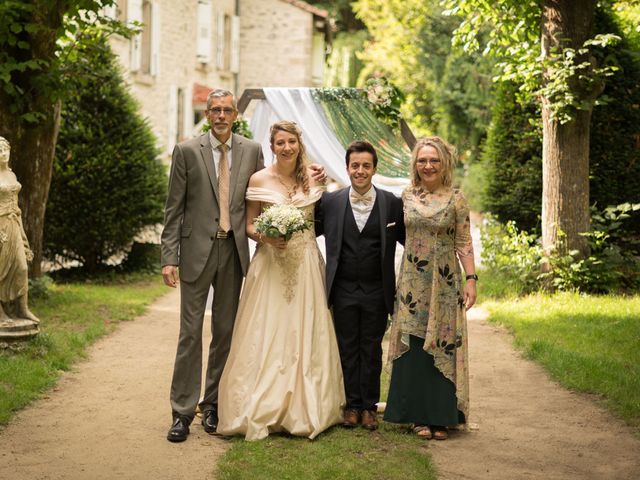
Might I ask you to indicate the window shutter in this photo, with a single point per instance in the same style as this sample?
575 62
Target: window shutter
172 133
134 13
220 44
235 44
155 39
187 117
204 31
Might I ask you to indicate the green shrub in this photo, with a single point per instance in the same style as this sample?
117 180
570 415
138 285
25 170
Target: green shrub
39 287
512 258
143 257
613 264
512 158
107 183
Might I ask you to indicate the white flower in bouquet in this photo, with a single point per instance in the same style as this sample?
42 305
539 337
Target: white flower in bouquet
281 221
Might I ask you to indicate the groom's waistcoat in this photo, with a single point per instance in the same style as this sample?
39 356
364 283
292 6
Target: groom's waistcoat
360 257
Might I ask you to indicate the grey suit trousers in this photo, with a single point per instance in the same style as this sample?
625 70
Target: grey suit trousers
224 272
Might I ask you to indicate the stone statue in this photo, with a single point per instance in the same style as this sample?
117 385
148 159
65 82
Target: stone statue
14 247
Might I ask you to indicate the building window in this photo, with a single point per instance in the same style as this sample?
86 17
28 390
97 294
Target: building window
204 31
228 42
145 47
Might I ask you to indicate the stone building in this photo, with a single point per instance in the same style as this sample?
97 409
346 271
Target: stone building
188 47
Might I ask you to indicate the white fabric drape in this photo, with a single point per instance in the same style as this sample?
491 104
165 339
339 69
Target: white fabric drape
322 146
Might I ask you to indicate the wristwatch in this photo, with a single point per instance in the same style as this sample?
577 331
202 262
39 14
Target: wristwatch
472 277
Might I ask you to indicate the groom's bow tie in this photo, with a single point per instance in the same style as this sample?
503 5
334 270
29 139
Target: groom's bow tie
357 199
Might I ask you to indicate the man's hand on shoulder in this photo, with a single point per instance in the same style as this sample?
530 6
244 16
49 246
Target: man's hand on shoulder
316 171
170 275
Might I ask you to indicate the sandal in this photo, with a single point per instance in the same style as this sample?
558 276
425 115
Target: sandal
440 433
423 431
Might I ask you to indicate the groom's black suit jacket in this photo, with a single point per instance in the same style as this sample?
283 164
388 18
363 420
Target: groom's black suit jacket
330 221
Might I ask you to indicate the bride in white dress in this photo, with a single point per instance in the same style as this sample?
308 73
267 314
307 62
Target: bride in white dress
283 372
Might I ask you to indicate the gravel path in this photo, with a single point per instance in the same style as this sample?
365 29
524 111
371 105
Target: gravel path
108 418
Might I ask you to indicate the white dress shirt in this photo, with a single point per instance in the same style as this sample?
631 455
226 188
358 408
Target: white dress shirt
215 143
361 205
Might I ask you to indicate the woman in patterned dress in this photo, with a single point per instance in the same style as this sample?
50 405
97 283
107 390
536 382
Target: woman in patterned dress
428 345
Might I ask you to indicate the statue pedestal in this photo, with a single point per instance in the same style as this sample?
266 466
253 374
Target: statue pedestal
15 332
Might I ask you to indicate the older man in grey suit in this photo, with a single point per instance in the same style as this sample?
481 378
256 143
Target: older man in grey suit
204 235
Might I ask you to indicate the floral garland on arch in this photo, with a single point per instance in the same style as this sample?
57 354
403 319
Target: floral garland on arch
352 115
385 100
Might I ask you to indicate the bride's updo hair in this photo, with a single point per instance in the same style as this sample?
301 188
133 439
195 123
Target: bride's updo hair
302 178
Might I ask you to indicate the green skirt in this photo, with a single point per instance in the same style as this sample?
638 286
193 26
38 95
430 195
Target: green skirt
419 393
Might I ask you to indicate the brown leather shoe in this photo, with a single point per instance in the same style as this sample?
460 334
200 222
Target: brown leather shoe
351 418
369 420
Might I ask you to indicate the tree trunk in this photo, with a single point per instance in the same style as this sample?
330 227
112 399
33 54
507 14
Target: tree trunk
565 181
565 151
33 144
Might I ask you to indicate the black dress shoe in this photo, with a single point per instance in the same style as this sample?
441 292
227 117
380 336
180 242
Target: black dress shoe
179 430
210 421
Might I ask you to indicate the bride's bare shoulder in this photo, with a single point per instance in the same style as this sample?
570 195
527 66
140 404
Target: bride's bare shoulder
260 178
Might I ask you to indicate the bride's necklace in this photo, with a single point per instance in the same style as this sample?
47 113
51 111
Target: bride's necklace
290 189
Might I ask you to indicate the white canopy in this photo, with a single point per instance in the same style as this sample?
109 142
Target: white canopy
296 104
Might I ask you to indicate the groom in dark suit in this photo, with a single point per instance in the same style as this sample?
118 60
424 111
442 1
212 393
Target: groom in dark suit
361 225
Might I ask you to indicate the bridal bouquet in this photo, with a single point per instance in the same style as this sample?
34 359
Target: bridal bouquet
281 221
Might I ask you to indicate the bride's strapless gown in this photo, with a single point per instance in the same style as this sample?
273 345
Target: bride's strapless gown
283 372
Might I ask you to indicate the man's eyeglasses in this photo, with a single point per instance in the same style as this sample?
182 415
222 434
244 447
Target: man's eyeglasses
217 111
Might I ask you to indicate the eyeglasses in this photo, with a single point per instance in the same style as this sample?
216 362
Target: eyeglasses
422 162
217 111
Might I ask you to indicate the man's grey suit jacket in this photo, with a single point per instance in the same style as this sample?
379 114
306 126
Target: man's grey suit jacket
192 213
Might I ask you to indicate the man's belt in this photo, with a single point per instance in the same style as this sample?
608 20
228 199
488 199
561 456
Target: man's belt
223 234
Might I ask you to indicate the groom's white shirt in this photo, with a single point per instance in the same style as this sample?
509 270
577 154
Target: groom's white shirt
362 209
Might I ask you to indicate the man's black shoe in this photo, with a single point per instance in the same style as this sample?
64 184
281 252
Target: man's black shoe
179 430
210 421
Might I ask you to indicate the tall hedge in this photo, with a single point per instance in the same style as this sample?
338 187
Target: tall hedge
107 181
513 149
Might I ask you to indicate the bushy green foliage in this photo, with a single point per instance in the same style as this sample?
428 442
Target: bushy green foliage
613 264
513 257
513 150
615 130
107 183
512 157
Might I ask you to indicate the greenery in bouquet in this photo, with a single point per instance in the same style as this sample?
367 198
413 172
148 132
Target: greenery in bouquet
384 99
281 221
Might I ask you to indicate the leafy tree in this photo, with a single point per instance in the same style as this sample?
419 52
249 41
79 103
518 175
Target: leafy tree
567 77
513 150
37 49
107 183
447 92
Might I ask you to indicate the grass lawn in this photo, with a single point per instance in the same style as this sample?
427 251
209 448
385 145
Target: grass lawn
71 318
588 343
339 454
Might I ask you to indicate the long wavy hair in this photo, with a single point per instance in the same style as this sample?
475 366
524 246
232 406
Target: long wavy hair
301 176
446 153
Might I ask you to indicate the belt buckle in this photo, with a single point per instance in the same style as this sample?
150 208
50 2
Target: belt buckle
222 234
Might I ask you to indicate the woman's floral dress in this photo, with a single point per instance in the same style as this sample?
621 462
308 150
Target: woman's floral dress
429 301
